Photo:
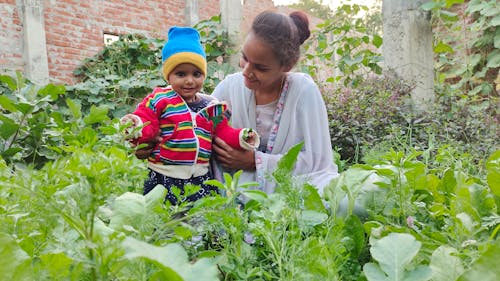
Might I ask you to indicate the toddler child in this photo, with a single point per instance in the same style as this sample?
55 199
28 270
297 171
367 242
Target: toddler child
186 119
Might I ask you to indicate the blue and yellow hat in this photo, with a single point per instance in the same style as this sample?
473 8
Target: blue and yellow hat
183 46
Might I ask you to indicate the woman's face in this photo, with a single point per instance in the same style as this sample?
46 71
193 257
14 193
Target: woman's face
261 69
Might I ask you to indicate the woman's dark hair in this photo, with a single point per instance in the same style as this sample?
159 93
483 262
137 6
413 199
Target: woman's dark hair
283 33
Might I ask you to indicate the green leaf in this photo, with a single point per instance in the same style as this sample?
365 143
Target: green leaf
7 104
129 209
374 273
8 127
496 40
97 115
75 108
10 152
450 3
431 5
393 253
9 81
448 15
24 108
256 195
15 263
416 176
173 260
312 199
287 163
155 197
493 172
442 47
493 59
310 218
445 264
377 41
449 182
58 265
476 6
54 91
485 268
355 231
215 183
352 61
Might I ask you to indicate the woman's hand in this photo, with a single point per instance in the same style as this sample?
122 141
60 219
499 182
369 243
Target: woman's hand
231 158
143 153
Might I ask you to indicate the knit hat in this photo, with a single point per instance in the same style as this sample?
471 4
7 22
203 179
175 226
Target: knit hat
183 46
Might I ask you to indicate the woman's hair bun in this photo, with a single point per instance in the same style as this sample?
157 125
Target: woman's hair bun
302 22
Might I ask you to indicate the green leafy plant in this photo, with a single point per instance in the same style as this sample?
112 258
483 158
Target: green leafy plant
467 48
218 49
368 114
342 45
393 254
26 114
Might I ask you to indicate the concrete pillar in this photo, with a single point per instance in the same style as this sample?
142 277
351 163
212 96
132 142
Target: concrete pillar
35 48
407 47
231 18
191 12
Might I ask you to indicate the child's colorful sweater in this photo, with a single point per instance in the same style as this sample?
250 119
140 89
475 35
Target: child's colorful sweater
186 144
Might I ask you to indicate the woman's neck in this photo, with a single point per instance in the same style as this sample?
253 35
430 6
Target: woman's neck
272 94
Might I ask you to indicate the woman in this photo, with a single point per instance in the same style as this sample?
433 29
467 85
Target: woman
285 108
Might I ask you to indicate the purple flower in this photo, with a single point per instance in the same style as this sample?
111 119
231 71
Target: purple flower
248 238
410 221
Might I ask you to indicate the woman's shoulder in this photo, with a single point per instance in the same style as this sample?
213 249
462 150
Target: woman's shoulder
230 85
233 78
301 82
300 78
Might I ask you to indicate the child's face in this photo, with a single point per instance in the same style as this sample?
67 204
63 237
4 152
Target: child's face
186 80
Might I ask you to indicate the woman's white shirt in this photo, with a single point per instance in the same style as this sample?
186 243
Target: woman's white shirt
304 119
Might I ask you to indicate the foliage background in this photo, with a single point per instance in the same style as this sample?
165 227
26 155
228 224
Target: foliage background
70 188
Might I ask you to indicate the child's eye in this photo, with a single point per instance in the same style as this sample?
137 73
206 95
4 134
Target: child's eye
197 74
180 74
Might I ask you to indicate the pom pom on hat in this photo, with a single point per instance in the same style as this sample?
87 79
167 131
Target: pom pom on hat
183 46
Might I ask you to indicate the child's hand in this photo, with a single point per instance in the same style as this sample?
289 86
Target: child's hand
251 138
145 152
134 122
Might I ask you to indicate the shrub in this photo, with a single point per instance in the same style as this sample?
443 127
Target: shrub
367 114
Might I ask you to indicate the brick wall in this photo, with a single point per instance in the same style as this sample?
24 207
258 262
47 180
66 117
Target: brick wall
75 28
11 38
251 9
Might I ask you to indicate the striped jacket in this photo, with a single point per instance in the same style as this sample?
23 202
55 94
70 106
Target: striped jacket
186 136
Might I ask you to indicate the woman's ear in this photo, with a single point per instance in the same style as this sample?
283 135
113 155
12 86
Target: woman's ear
286 68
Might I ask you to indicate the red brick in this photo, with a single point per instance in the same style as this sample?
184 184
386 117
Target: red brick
74 29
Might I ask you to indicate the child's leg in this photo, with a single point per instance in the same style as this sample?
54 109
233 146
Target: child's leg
205 189
151 182
155 178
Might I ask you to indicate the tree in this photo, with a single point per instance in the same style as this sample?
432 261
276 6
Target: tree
314 8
